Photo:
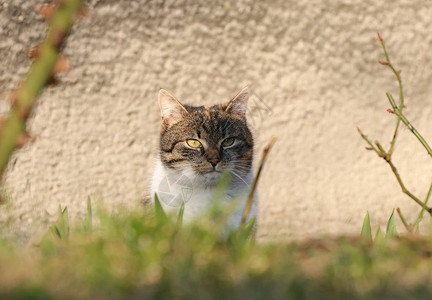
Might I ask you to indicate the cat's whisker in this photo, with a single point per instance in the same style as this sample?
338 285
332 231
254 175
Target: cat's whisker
242 163
235 174
242 173
242 168
245 167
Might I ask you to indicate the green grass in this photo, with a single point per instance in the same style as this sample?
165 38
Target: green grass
141 255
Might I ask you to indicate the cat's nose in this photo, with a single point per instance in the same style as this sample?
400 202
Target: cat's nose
214 162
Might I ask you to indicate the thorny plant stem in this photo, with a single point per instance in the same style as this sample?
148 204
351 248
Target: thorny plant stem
381 153
401 94
404 189
401 117
252 192
372 147
40 73
387 155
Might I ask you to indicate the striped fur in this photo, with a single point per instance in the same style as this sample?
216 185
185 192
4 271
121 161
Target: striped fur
214 127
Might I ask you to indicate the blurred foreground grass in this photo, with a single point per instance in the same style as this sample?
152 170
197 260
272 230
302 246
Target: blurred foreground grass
138 256
146 256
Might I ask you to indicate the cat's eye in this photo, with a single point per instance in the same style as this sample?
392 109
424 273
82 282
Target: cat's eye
193 143
228 142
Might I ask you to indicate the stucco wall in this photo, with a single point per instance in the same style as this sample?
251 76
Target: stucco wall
312 66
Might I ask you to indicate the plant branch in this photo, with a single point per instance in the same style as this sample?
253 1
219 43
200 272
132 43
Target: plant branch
387 155
401 94
401 117
405 190
379 150
252 192
41 72
371 146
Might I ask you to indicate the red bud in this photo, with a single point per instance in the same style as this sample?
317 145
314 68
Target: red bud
379 37
85 13
24 139
34 51
62 65
390 111
12 98
58 38
384 63
46 11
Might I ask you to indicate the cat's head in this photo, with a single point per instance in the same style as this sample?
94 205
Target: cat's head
204 141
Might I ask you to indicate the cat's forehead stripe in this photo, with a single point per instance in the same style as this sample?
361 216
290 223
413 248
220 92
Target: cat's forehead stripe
207 114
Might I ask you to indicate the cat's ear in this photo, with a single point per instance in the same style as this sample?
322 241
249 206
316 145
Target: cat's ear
172 110
238 104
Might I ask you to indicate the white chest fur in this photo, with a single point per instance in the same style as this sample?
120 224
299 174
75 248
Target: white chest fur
175 187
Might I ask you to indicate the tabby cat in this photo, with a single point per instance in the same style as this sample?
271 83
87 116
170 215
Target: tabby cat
198 144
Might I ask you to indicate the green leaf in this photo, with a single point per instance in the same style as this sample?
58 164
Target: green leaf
54 231
159 212
88 221
248 228
62 223
48 241
57 231
378 235
391 226
180 215
241 240
366 228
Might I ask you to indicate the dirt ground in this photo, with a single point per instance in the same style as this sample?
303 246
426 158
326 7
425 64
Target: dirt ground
312 67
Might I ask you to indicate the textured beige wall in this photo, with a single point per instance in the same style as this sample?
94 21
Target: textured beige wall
314 63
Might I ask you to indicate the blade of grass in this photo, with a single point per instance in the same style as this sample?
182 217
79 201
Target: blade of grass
88 221
420 216
252 192
63 223
159 212
180 215
391 226
378 235
248 228
55 231
366 228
